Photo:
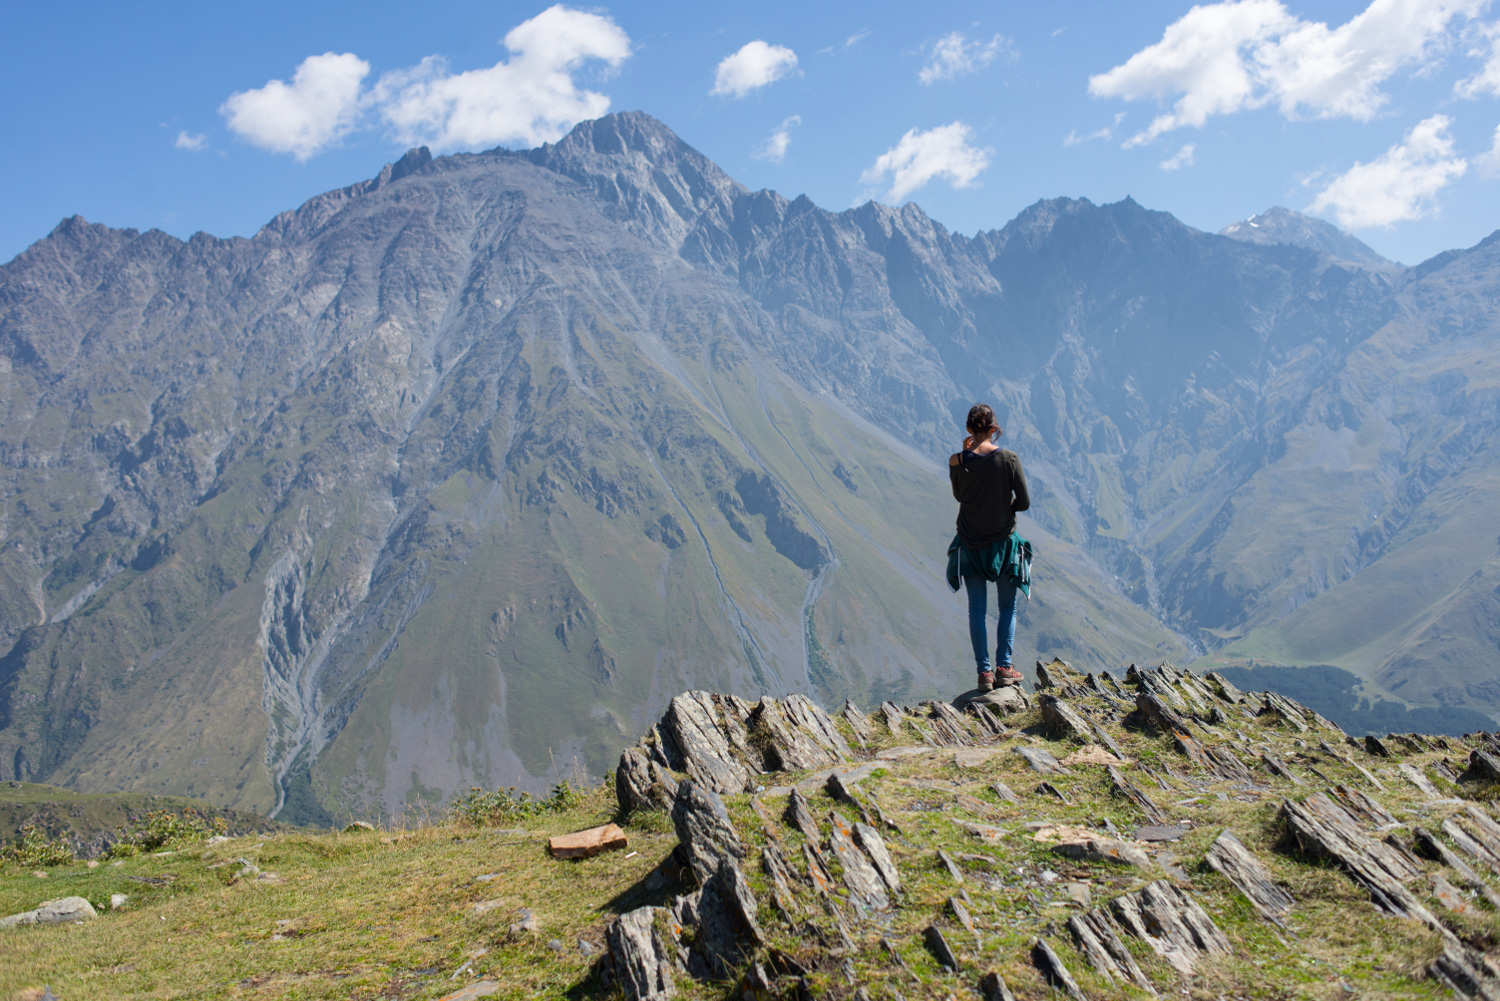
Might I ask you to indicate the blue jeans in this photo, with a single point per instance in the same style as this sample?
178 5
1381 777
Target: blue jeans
1005 629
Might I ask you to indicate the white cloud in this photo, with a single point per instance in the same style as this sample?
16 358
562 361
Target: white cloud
319 107
849 43
1182 158
1489 161
755 65
1399 184
775 147
946 151
1487 81
1073 138
529 98
1240 54
195 142
954 56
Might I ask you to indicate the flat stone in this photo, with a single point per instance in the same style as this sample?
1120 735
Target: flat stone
587 844
64 910
1431 847
847 773
975 757
900 753
1093 754
984 832
1416 778
1450 897
780 876
1483 768
1158 832
1007 700
1041 761
1104 850
1320 826
525 922
858 722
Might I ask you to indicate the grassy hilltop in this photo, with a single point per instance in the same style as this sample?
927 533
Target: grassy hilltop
475 903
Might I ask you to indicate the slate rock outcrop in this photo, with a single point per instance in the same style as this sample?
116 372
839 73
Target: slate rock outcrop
837 837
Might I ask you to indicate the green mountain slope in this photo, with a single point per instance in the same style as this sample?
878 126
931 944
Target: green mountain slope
452 476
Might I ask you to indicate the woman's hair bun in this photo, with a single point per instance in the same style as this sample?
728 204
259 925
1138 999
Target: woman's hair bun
982 419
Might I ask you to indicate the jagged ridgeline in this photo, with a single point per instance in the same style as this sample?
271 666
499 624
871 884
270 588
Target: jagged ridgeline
458 475
1156 834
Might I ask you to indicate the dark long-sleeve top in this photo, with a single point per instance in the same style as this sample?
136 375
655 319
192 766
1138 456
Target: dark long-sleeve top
990 489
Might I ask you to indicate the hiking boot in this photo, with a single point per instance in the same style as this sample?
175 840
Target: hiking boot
1007 675
986 681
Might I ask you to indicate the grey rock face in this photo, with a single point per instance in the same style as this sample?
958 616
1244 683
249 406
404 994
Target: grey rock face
707 834
1232 860
865 884
643 784
644 953
727 927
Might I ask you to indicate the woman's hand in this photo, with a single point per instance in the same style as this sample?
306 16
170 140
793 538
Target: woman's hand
968 443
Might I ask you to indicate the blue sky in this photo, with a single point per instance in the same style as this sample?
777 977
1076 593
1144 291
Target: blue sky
1382 117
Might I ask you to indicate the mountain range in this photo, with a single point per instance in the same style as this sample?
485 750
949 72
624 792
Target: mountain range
459 474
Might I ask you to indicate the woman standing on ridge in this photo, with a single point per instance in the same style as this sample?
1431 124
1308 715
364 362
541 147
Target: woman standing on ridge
990 488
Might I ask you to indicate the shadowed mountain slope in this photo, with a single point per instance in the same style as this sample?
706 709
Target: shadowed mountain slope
456 475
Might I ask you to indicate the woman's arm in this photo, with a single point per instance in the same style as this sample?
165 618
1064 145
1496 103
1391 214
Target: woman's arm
956 475
1018 487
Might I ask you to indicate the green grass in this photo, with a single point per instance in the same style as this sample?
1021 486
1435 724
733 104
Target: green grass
391 913
79 819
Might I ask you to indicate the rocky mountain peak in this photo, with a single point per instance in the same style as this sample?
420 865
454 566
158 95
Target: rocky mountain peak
644 176
292 465
1278 225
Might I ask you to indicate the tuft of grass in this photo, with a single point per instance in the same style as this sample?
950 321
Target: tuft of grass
507 806
161 829
35 850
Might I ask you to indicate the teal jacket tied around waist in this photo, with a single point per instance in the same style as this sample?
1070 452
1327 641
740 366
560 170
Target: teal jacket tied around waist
1009 560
